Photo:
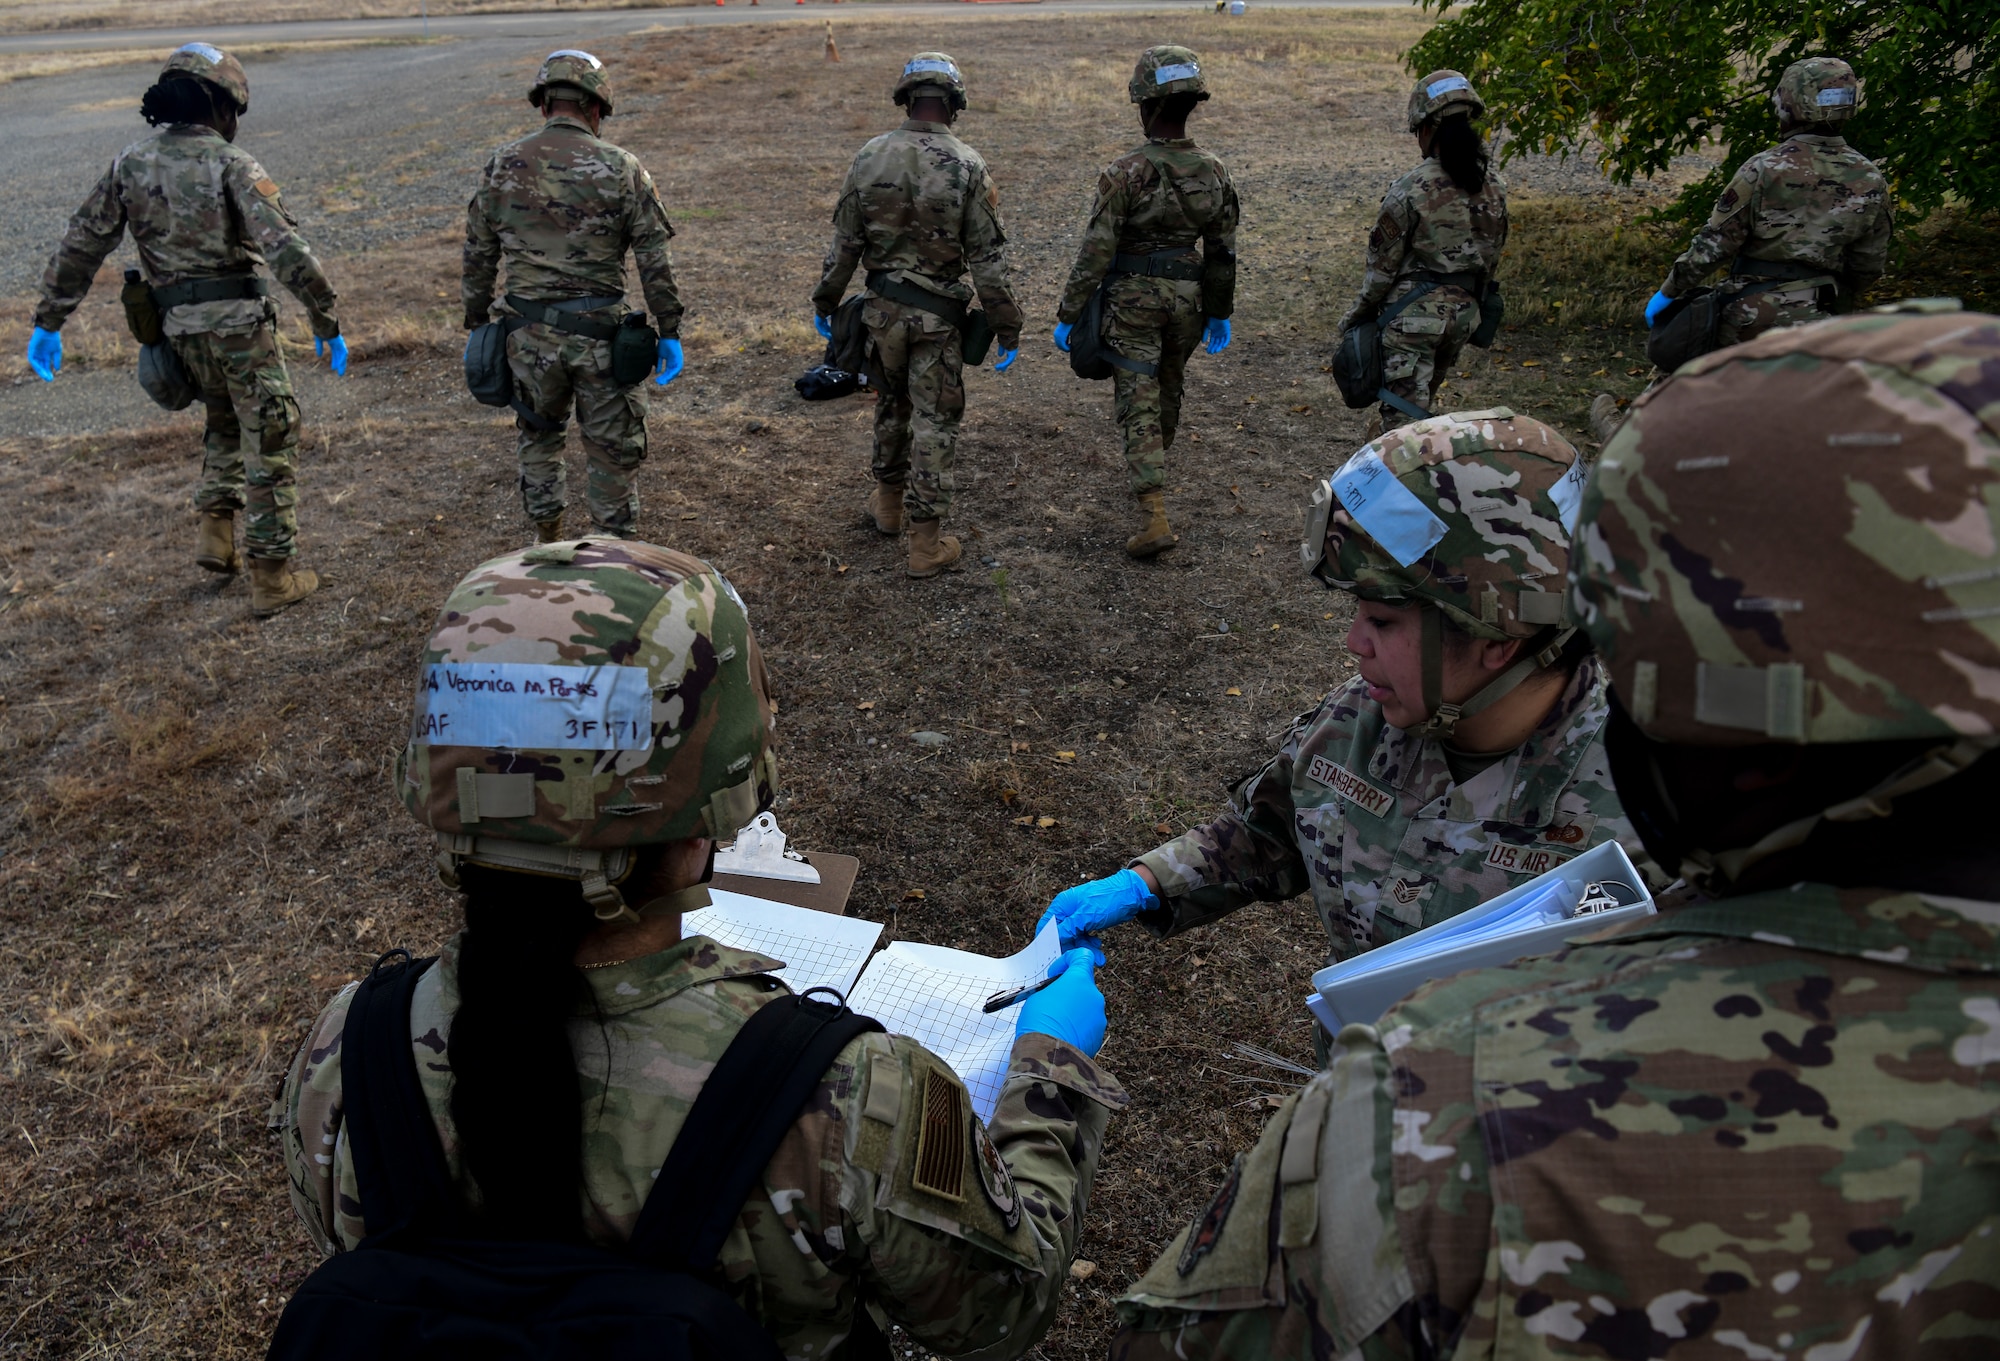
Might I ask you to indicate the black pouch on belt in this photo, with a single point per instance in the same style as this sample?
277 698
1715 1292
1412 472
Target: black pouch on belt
635 349
142 314
975 338
1492 310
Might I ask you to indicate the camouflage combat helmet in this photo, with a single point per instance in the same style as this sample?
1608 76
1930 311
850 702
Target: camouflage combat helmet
581 699
576 69
1798 540
1166 71
1817 90
1468 515
932 74
1441 90
213 65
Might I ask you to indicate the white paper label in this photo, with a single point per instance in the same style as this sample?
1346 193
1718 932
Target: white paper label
1568 494
1167 75
1835 99
1446 86
534 707
1388 510
943 68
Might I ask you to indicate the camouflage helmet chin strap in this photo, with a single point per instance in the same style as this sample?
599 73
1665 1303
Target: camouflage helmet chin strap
598 872
1444 718
1935 766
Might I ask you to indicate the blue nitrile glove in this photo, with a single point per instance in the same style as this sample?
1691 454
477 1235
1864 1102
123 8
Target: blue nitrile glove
1062 336
336 348
1215 335
1656 306
45 354
1089 908
821 325
1006 357
1071 1009
670 363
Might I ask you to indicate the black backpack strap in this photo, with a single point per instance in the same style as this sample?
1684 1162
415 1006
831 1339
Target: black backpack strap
398 1161
751 1098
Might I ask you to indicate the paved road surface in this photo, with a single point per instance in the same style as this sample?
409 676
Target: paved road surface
588 23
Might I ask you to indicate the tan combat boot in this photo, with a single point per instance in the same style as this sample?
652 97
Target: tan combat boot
216 548
885 507
1605 417
275 583
1156 535
548 531
930 551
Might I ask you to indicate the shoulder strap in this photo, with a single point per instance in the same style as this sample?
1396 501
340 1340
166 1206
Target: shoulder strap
398 1161
748 1103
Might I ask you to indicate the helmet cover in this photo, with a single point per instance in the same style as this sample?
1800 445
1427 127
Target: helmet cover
1442 90
1817 90
1469 512
576 70
1164 71
1798 539
598 694
933 75
217 67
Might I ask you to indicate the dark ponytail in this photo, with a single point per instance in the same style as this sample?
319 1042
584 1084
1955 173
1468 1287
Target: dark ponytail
181 98
1458 149
515 1097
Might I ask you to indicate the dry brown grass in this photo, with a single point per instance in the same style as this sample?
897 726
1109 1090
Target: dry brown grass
30 66
197 842
28 16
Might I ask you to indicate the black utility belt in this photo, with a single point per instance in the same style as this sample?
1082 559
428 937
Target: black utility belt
226 289
562 316
1469 280
1783 271
1180 264
884 285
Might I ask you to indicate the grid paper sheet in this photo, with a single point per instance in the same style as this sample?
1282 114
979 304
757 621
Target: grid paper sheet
934 995
819 949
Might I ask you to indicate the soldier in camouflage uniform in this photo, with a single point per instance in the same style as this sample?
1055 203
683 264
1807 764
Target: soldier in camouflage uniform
1436 243
623 791
1760 1124
1465 757
203 215
919 210
562 207
1804 227
1153 205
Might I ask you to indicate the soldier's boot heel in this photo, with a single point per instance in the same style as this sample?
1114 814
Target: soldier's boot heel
1605 418
885 507
215 549
275 583
1373 427
930 551
548 531
1155 536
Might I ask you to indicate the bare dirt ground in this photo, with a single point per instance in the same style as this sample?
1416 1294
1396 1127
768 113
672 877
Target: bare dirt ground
197 841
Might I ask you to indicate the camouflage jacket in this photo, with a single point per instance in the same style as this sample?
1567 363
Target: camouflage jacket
1428 223
197 207
562 207
1165 195
1761 1127
841 1215
919 204
1369 819
1810 200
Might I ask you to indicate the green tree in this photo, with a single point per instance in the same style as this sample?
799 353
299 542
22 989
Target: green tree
1637 82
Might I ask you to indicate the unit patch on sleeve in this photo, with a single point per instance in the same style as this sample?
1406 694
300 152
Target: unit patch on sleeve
1202 1237
1350 786
995 1180
1505 855
266 186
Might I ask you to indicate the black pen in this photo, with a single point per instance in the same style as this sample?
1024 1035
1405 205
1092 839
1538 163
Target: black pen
1000 1001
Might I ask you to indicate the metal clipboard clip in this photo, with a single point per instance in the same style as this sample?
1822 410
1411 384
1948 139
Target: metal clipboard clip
759 853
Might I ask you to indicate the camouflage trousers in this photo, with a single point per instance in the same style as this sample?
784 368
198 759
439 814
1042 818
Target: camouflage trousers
1155 321
1421 343
1747 318
553 371
920 384
250 446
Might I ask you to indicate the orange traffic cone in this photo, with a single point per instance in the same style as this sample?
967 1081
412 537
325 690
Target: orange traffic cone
832 52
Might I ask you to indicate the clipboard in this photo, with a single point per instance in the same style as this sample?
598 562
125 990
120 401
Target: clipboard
836 880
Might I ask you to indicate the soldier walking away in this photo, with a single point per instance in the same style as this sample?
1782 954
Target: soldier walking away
1466 755
1756 1124
203 215
1433 249
917 212
562 207
1153 205
564 1036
